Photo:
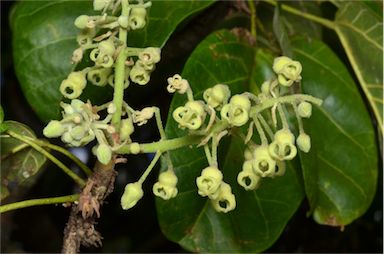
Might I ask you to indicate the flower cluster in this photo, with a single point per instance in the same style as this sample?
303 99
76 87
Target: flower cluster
102 37
219 113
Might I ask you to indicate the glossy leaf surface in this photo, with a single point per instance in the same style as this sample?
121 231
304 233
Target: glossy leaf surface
45 37
340 172
19 162
261 215
360 30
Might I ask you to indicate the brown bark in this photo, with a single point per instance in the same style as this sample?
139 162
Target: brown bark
80 228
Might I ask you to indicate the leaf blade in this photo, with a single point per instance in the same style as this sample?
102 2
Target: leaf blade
360 32
340 172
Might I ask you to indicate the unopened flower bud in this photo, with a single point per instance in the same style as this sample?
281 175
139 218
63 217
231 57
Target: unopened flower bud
133 192
53 129
305 109
104 153
304 142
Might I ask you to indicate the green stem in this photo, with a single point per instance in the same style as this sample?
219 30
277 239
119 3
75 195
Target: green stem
150 167
266 126
325 22
162 136
284 99
299 121
52 158
40 201
208 154
59 149
120 70
263 138
15 150
164 145
252 8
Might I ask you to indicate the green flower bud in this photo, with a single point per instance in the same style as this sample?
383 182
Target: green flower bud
304 142
135 148
237 111
247 177
209 182
133 192
78 132
263 164
283 148
67 138
225 201
126 129
53 129
191 116
241 101
123 21
288 71
81 22
136 18
107 47
139 75
99 5
305 109
217 96
265 87
104 153
99 77
150 56
248 154
166 186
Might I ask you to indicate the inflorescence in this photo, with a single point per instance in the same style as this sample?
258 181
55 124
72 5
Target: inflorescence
217 115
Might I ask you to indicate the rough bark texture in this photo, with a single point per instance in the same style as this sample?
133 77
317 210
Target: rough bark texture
80 228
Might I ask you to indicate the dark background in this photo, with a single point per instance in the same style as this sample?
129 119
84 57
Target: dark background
40 229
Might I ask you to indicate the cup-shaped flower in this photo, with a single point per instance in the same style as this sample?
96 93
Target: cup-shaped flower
73 86
305 109
190 116
237 111
247 177
288 71
303 141
139 75
217 96
53 129
263 164
150 56
99 77
209 182
177 83
165 188
107 47
283 148
225 200
136 18
133 192
104 153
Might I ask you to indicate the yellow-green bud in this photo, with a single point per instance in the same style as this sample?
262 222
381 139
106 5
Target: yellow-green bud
133 192
53 129
305 109
81 21
247 177
225 200
104 153
263 164
209 182
217 96
139 75
137 18
304 142
126 129
134 148
166 186
99 5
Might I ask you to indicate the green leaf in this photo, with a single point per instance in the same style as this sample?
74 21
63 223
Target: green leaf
340 172
3 126
44 38
260 216
19 162
361 32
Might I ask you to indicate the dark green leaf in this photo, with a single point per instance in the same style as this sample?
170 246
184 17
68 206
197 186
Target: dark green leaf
261 215
19 162
361 32
44 39
340 171
3 126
